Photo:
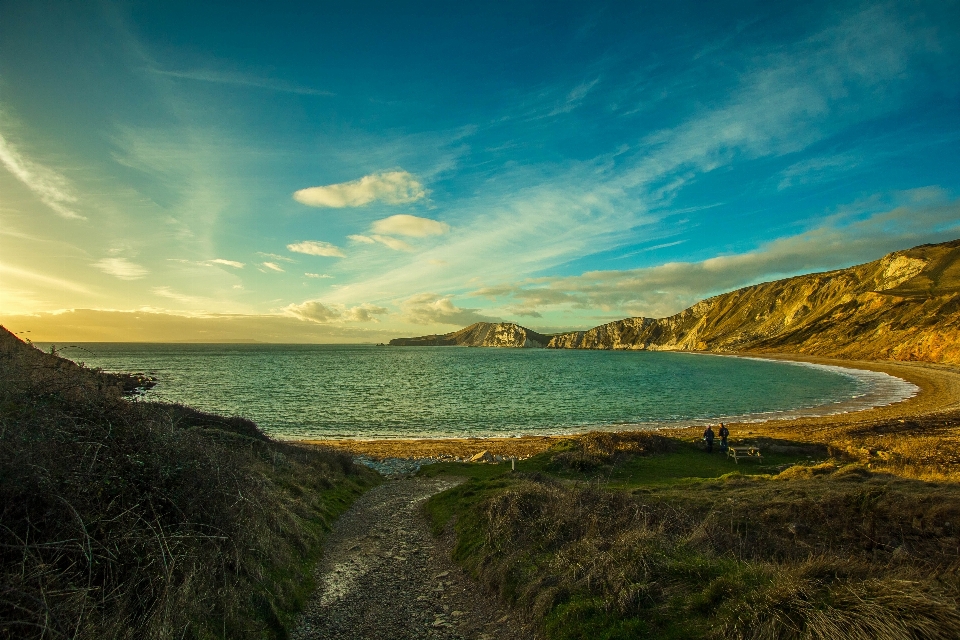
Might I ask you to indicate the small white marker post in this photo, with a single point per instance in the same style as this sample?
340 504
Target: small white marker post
513 464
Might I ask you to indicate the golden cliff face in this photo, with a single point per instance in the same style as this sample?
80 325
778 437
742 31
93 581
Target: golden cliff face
905 306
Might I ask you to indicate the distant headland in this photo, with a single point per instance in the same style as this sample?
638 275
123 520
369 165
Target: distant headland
904 306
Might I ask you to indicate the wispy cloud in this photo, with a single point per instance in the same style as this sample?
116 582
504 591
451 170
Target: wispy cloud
401 225
167 292
121 268
786 99
45 280
362 239
316 248
211 263
52 188
226 263
316 311
272 266
795 97
574 98
663 245
430 308
394 243
815 169
241 80
407 225
393 187
274 256
317 275
847 238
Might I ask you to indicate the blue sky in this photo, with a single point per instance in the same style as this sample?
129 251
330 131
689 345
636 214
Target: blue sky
358 171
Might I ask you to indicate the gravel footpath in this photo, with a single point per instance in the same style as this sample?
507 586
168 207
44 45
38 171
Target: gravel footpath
385 576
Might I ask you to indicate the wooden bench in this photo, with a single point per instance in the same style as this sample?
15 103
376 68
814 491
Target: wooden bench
739 453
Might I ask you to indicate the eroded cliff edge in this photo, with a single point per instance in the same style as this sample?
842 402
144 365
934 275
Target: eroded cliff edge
904 306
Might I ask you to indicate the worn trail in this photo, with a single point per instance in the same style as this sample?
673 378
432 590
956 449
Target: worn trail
385 576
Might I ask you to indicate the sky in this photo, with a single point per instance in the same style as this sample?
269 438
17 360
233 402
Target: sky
358 171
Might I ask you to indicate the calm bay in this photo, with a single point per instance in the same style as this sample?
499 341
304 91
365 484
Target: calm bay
335 391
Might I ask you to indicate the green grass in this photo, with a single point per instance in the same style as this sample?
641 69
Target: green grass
478 471
691 462
288 587
637 537
688 462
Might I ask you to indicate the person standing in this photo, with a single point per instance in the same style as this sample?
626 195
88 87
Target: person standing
724 433
708 438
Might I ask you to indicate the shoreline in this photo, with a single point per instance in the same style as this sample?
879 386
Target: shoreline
939 392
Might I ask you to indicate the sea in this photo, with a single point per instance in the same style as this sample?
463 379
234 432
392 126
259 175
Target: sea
364 391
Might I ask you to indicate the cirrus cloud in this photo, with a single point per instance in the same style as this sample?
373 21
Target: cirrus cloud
52 188
316 248
407 225
227 263
392 187
919 216
394 243
362 239
121 268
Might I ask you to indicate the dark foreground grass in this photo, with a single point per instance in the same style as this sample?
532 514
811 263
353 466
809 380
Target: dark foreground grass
123 519
816 551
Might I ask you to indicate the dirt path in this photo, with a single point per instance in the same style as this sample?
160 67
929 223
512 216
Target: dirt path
385 576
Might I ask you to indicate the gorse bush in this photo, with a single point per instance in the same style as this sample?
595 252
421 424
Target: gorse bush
123 519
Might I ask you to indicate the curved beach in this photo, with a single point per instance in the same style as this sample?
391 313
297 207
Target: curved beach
939 393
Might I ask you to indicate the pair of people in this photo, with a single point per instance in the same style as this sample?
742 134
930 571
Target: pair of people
708 437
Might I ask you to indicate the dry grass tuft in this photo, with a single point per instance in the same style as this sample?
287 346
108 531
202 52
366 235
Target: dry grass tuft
809 602
123 519
818 551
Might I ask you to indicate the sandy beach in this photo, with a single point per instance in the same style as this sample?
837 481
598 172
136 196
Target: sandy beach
939 394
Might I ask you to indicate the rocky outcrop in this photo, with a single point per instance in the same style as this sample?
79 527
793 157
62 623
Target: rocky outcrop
480 334
905 306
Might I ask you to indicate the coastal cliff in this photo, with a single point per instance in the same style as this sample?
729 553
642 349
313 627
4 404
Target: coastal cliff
904 306
481 334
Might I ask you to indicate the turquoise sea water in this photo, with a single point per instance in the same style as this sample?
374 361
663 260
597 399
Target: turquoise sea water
306 391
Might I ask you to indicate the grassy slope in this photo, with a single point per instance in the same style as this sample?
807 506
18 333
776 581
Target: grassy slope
127 519
631 539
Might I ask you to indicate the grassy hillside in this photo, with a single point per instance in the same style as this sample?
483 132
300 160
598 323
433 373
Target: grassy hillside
635 536
129 519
